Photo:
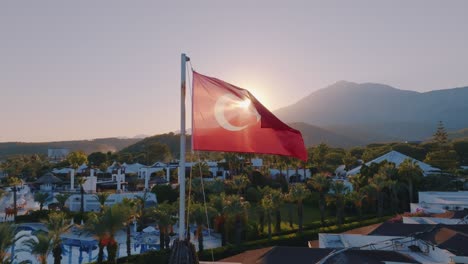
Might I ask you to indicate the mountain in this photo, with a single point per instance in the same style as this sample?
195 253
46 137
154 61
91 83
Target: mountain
373 112
314 135
172 140
88 146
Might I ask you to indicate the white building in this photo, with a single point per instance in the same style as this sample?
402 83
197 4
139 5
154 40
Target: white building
406 245
91 203
397 158
439 202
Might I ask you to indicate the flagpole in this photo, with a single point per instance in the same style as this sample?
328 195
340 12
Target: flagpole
184 59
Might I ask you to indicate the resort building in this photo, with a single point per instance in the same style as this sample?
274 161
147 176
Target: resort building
91 202
439 202
397 158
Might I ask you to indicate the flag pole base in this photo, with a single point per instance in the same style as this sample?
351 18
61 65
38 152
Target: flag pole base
183 252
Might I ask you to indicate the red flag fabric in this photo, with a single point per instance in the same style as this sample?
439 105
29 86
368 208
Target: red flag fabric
228 118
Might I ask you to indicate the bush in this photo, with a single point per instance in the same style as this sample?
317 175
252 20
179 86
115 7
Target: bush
165 193
253 195
33 216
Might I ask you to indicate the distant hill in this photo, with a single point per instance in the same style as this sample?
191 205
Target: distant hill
461 134
172 140
88 146
376 112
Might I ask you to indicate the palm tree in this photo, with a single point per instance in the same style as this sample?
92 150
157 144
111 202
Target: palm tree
337 195
97 228
39 246
57 224
379 182
113 219
14 182
62 199
102 198
297 193
358 181
356 198
163 214
278 200
240 182
321 183
217 202
81 181
8 238
410 171
199 214
133 213
268 205
41 198
236 210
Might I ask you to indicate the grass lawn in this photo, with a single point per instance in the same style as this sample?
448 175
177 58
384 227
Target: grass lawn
311 214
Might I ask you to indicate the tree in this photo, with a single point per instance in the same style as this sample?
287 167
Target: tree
97 158
62 199
297 193
76 159
410 172
239 183
236 210
14 182
97 228
379 182
41 198
156 151
358 181
8 238
356 198
39 246
218 202
319 156
165 193
337 195
81 181
349 161
201 215
163 215
278 200
268 206
113 219
321 183
201 170
102 198
442 159
440 136
57 224
132 206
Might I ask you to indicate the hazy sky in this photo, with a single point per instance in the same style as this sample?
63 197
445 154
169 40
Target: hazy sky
88 69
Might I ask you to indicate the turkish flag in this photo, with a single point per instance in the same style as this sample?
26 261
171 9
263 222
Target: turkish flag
229 118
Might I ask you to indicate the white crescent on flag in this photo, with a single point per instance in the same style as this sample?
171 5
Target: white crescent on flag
229 100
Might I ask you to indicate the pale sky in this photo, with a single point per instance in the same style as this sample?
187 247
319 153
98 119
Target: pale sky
90 69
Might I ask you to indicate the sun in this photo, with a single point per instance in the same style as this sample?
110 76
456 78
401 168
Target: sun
245 103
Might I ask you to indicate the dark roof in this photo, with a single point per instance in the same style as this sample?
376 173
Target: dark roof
304 255
297 255
369 256
453 238
48 178
399 229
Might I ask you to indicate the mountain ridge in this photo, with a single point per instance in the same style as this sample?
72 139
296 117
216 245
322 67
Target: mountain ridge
381 109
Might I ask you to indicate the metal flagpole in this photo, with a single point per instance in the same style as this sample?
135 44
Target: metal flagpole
184 59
